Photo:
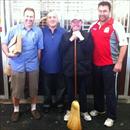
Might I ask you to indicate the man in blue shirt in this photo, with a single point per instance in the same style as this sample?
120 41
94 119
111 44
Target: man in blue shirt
51 62
25 63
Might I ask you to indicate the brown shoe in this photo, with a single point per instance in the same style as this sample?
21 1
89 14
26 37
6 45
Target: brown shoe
36 115
15 117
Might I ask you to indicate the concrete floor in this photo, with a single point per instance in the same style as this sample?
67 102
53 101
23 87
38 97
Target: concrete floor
54 120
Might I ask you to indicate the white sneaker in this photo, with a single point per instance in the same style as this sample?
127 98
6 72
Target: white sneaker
86 116
67 115
109 122
95 113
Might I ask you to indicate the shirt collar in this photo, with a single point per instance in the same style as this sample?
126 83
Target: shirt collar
54 30
23 27
110 21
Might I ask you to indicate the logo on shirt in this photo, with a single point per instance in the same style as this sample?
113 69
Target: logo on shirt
106 30
94 29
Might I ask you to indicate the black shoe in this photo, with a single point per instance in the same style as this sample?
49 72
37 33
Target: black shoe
60 108
36 115
46 109
15 116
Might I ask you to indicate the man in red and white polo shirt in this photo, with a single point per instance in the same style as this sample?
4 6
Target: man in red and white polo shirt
110 45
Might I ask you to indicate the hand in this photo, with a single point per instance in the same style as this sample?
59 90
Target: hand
73 37
11 55
117 67
79 35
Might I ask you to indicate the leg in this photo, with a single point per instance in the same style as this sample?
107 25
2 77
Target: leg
60 91
47 91
110 91
70 95
70 91
82 93
33 78
15 101
17 85
98 90
33 90
111 94
82 97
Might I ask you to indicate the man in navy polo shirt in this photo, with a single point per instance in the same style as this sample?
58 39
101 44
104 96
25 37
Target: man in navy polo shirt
51 61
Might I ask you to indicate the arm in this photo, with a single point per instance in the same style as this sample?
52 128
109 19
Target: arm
6 51
40 44
118 65
120 33
39 54
9 41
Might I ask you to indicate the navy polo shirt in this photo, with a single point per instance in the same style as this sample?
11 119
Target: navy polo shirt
51 60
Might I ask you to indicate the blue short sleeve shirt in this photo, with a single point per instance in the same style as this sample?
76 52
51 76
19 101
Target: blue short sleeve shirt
32 41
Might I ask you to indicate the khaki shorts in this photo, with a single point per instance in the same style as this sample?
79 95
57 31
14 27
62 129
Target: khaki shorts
18 80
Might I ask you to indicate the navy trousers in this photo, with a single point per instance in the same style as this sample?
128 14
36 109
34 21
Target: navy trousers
53 85
81 91
105 88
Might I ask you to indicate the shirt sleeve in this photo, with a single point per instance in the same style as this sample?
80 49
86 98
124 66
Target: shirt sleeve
10 34
40 41
8 37
120 32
